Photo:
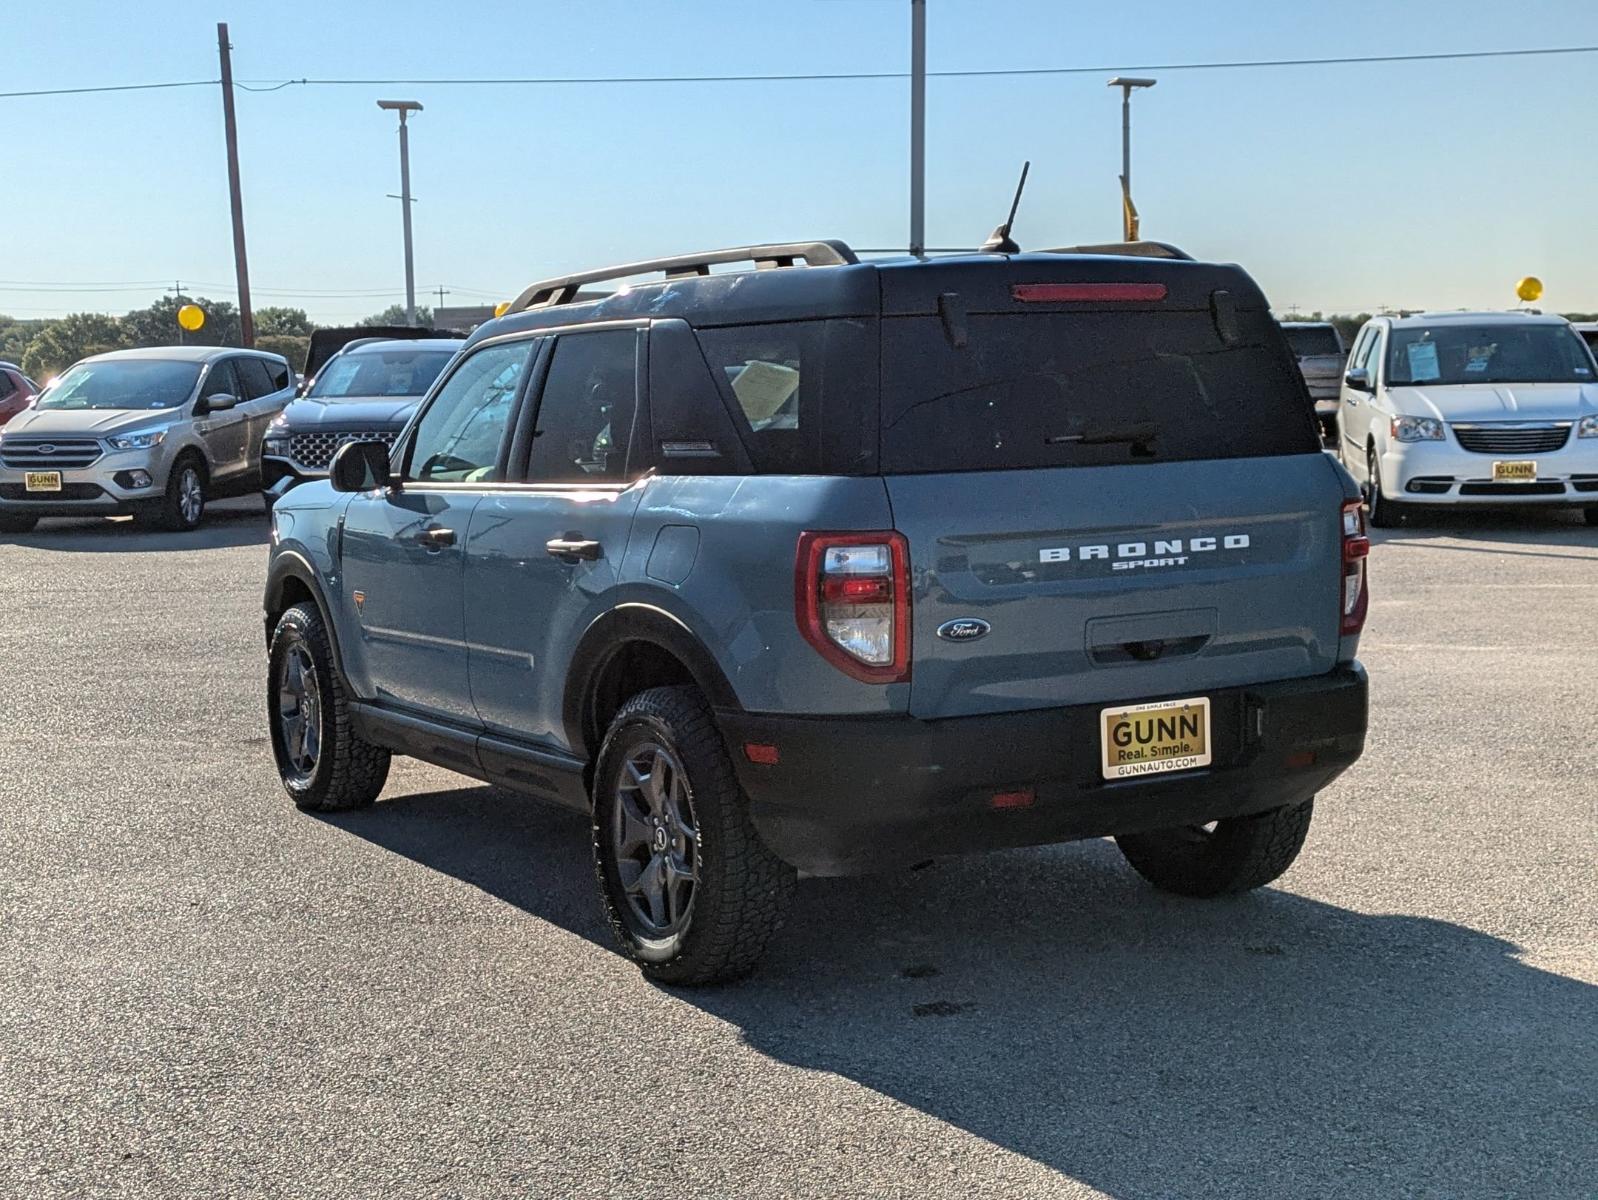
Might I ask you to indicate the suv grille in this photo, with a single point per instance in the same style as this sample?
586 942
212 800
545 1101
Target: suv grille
1512 439
316 450
48 453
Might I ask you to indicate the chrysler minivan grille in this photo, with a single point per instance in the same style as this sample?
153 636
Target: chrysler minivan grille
1513 439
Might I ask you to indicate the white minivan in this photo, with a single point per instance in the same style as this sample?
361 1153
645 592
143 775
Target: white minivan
1495 409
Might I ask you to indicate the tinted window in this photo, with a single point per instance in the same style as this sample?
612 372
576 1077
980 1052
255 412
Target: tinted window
404 372
585 416
458 438
772 375
253 377
1088 389
1312 341
1497 353
282 377
123 384
7 384
220 381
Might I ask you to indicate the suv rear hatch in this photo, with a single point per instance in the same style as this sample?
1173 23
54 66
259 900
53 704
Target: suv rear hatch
1111 464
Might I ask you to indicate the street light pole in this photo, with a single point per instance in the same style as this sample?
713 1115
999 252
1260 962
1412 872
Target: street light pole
405 108
1128 218
918 126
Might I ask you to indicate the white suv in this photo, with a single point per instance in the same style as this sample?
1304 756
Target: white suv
1497 409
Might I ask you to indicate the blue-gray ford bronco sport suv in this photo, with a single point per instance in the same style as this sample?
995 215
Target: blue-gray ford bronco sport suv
834 566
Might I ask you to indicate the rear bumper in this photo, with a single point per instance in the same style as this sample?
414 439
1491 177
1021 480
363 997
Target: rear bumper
868 793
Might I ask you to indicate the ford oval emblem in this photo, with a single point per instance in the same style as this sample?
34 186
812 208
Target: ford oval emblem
963 629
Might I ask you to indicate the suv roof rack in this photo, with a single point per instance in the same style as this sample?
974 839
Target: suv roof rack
1133 249
548 293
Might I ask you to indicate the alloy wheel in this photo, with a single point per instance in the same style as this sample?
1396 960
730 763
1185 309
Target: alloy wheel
191 496
299 709
655 842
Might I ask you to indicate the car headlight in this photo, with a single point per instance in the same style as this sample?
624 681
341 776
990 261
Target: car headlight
1587 427
275 445
1417 429
137 441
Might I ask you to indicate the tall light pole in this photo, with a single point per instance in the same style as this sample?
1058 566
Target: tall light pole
405 108
918 126
1128 213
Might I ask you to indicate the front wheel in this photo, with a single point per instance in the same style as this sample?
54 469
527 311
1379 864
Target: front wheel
691 892
324 764
1236 854
1384 513
183 506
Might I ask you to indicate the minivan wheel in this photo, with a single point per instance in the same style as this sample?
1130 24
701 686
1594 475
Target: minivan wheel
12 523
691 892
183 506
1236 854
1384 513
324 764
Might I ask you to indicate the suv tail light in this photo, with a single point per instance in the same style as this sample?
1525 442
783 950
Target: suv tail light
1356 550
852 601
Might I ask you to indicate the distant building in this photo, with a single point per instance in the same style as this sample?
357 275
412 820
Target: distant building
464 318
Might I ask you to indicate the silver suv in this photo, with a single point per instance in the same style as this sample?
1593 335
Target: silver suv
155 432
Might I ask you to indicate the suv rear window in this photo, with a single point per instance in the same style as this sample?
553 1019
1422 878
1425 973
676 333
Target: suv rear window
1088 389
1313 341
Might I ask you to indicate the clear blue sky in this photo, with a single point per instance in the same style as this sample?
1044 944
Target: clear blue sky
1341 187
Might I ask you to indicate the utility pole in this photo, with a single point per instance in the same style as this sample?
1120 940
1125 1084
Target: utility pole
405 108
1129 231
918 126
442 292
240 259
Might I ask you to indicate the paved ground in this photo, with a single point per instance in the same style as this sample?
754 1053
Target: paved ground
205 993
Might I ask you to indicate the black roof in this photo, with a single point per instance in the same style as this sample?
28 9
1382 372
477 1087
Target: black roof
898 286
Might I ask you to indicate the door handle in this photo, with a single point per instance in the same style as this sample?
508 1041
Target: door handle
436 539
572 547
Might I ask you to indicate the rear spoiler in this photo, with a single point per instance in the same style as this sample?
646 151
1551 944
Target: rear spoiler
1128 249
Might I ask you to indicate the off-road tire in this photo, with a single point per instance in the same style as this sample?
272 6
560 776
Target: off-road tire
1385 513
349 771
743 890
167 513
17 524
1238 855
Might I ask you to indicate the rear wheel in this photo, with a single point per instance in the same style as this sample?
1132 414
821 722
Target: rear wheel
324 764
13 523
691 892
1237 854
1384 513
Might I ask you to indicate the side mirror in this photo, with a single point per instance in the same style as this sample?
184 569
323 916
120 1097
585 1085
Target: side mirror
1359 379
220 402
360 467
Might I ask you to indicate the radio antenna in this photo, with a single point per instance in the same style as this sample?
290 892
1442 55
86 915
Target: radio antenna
1000 241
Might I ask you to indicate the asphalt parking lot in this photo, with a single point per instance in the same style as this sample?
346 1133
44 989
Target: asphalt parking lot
206 993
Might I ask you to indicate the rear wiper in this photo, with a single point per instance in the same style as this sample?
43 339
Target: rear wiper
1138 433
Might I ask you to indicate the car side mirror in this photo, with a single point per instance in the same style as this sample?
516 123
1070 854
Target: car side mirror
360 467
220 402
1359 379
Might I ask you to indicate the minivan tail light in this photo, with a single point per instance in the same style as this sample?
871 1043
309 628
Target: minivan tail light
1065 293
852 602
1356 554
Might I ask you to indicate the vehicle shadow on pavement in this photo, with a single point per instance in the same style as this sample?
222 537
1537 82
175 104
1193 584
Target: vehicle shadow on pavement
228 524
1535 534
1048 1001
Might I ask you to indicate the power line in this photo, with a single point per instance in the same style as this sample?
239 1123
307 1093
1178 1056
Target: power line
272 85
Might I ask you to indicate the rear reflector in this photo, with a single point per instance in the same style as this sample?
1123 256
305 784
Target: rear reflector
1022 798
762 753
1299 759
1065 293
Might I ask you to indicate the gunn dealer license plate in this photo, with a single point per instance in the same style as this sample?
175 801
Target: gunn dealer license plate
1514 472
1150 739
42 481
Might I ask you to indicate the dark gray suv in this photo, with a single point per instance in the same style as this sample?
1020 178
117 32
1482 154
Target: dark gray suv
838 566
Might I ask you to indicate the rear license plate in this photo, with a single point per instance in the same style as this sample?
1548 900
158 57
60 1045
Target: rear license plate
42 481
1150 739
1518 471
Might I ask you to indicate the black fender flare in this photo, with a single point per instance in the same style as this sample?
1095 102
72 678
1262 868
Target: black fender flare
291 564
606 635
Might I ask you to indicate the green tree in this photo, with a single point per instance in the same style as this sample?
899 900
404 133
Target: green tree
15 334
158 324
278 321
394 314
61 343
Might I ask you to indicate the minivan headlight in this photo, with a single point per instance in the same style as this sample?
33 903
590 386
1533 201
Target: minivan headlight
1417 429
1587 426
137 441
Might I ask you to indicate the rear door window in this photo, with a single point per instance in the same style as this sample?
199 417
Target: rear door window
1088 389
585 415
772 375
253 377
